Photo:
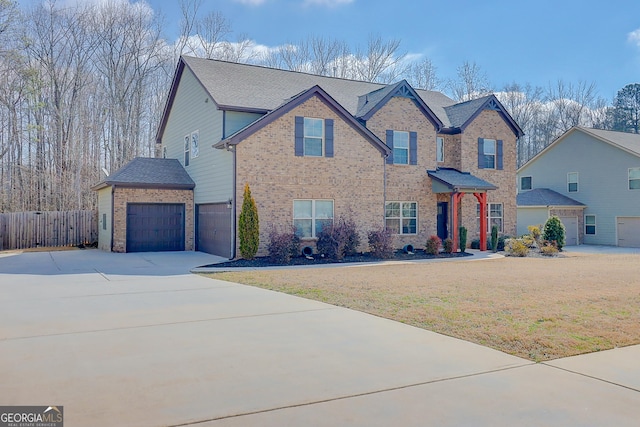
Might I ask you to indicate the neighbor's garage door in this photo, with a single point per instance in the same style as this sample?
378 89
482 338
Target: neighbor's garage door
629 232
570 230
214 229
153 227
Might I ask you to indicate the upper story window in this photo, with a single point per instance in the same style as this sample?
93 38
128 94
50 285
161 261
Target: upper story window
489 154
195 147
187 149
310 217
313 137
400 148
572 182
634 178
525 183
439 149
404 147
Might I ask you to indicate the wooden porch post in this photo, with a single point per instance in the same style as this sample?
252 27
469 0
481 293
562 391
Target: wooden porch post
482 199
457 199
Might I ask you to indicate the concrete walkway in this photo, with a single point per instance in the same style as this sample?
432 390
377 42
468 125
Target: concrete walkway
134 340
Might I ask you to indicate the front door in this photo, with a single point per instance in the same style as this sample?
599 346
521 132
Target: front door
443 219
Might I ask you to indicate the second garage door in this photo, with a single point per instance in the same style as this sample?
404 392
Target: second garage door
213 229
629 232
154 227
570 230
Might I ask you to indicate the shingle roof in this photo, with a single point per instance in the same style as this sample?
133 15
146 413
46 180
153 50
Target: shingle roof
457 180
629 141
252 87
460 113
150 172
545 197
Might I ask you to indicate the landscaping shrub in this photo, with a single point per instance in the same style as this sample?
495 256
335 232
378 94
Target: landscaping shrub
548 248
447 245
283 245
528 240
554 231
501 240
433 245
494 238
463 239
338 240
534 231
475 244
381 243
516 247
248 226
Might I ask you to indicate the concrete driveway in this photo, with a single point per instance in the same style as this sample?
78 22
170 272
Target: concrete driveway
135 340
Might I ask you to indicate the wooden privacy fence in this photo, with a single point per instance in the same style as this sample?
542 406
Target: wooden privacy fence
22 230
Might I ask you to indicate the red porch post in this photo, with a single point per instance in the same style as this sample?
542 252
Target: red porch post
482 199
457 199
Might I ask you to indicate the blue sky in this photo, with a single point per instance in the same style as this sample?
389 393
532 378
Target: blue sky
535 42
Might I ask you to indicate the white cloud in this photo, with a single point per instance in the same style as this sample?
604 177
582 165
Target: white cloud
634 37
329 3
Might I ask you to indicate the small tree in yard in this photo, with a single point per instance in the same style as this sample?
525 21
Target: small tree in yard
381 243
494 238
554 231
463 239
248 226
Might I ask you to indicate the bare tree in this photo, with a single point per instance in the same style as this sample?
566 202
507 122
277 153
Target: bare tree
422 75
212 29
572 103
380 62
470 82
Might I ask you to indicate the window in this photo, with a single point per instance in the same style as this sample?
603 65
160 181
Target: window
401 217
525 183
164 152
572 182
490 154
400 148
634 178
195 136
589 224
313 136
311 216
439 149
187 149
494 216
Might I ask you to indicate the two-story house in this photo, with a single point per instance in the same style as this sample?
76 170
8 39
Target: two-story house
590 178
315 149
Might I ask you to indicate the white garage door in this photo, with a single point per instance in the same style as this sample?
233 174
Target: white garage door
570 230
629 232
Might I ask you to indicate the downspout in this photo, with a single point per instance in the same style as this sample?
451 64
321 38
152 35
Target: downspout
233 203
384 190
113 200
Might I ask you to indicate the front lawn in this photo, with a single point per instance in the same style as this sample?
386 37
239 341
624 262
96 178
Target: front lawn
536 308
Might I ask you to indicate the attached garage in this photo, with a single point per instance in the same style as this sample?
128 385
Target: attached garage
155 227
148 207
214 229
628 230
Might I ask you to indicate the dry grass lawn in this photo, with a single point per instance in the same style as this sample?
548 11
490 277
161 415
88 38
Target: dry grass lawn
536 308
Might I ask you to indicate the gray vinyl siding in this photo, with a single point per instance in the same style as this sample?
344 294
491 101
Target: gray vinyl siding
531 216
603 184
194 110
104 207
234 121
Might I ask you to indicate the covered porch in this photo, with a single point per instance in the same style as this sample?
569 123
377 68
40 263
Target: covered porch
455 183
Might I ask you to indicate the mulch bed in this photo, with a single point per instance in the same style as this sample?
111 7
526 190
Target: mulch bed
318 259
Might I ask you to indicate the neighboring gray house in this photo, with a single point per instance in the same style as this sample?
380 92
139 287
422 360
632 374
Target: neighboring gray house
591 179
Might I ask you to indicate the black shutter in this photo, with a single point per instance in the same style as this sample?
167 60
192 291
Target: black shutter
413 148
390 145
328 137
499 154
480 153
299 134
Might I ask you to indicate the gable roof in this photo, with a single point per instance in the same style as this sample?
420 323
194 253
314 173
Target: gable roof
147 172
258 89
289 105
459 181
462 114
545 197
370 103
628 142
